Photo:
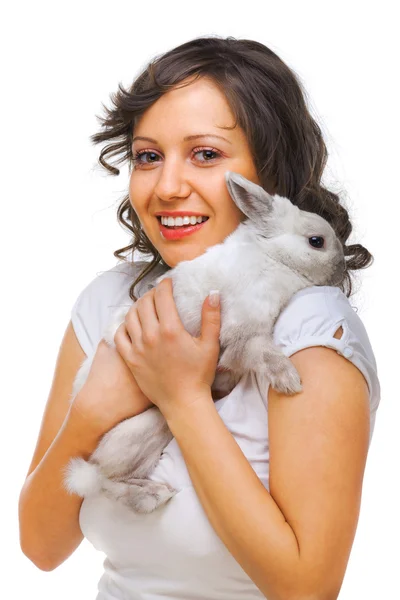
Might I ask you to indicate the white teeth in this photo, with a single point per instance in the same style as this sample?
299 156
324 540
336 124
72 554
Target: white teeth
179 221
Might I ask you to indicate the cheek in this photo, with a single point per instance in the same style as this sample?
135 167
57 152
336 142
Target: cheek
137 193
224 208
231 210
130 191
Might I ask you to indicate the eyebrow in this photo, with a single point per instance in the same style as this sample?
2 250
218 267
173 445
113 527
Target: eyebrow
185 139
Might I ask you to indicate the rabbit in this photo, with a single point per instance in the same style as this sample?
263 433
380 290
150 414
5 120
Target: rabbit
275 252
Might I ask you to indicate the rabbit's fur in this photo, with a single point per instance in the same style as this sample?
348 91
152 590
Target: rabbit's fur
257 268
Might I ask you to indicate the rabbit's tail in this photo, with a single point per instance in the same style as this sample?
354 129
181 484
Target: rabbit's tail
82 478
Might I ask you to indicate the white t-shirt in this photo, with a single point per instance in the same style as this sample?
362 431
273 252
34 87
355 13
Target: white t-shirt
174 553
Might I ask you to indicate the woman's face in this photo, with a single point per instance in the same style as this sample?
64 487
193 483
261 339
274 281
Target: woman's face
174 174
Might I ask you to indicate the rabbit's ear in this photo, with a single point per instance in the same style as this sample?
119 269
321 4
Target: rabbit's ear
249 197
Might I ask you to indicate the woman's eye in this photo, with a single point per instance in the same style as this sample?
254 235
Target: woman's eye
138 155
207 151
152 156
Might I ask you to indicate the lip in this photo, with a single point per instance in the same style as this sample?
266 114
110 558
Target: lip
175 234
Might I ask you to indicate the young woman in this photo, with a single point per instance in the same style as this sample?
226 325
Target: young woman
269 486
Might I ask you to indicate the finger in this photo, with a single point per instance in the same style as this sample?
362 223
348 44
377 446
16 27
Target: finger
133 325
165 306
123 343
147 317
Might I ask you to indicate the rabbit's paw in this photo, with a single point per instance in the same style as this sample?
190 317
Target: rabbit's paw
148 500
141 495
117 318
282 375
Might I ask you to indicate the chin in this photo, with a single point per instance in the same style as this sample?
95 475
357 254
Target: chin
181 255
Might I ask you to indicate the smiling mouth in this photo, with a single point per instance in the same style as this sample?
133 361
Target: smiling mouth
179 231
181 226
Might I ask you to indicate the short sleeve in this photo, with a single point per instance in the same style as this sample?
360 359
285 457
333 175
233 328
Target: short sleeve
82 329
312 317
93 307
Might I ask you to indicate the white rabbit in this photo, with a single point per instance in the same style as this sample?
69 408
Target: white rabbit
277 251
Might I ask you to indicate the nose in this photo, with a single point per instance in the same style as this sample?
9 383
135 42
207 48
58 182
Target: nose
172 182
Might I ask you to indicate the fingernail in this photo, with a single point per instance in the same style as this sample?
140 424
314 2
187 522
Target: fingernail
213 298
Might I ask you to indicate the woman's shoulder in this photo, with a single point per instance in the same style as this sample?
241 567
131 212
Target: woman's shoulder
316 310
108 285
95 303
313 316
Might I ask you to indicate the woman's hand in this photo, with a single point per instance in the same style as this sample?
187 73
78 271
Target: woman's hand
172 368
110 393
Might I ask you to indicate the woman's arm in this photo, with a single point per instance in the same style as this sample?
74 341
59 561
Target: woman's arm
49 515
295 541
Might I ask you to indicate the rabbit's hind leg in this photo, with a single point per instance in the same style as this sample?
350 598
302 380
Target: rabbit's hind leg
133 446
259 353
142 496
278 369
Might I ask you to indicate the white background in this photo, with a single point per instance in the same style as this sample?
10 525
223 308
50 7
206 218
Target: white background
60 61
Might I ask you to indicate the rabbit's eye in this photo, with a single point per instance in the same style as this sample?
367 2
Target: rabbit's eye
316 241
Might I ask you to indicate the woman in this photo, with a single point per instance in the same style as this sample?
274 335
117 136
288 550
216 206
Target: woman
269 486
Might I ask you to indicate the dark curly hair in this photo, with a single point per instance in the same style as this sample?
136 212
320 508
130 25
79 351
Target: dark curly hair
268 102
